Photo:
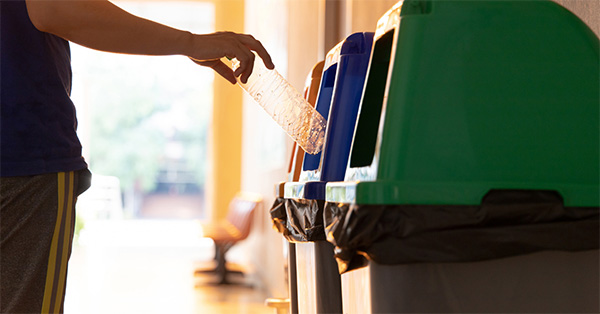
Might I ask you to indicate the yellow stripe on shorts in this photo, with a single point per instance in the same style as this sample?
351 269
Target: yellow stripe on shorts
61 243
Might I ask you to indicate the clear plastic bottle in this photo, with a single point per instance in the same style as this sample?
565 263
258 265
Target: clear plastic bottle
305 125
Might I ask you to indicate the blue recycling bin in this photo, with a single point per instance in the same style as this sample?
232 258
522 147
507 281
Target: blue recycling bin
342 81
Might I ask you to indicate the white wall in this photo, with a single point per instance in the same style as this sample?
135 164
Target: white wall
265 146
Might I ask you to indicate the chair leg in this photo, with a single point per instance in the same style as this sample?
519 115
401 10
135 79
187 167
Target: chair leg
220 270
217 249
220 249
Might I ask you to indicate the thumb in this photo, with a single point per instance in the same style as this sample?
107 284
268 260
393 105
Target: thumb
218 66
223 70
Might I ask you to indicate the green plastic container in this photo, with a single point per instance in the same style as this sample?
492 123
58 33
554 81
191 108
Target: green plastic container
467 96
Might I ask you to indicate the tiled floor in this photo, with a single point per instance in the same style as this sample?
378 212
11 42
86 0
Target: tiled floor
146 267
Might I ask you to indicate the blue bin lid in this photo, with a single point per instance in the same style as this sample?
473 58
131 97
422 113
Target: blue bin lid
339 100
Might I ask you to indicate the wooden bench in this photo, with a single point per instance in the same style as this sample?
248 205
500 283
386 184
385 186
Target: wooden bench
229 231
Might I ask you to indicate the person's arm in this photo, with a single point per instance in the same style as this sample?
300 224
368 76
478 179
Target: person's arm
101 25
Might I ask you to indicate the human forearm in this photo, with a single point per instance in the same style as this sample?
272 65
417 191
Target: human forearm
101 25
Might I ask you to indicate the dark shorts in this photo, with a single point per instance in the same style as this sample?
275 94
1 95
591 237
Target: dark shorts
37 219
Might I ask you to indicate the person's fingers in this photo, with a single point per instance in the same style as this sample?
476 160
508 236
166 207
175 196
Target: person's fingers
219 67
249 68
245 58
242 63
257 46
223 70
242 47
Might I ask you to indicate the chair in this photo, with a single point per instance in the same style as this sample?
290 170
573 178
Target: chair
229 231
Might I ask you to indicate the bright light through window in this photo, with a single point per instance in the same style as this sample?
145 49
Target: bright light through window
144 119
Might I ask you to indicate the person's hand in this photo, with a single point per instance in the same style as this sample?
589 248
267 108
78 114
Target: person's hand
207 50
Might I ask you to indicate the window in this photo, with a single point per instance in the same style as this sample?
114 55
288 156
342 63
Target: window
144 119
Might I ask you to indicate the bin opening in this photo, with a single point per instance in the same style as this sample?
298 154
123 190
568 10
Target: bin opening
365 138
311 162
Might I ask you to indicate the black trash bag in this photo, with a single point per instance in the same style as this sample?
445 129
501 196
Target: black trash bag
347 250
299 220
304 220
507 223
278 214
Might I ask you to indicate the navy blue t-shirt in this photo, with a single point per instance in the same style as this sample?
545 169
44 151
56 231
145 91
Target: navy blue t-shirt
37 117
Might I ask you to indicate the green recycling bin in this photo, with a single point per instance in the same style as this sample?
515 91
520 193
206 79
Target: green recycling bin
473 181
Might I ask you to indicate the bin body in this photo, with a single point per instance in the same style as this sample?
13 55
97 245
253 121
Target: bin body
543 282
467 102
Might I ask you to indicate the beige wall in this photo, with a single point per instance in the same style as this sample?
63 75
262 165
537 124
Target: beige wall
586 10
304 37
340 18
362 15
